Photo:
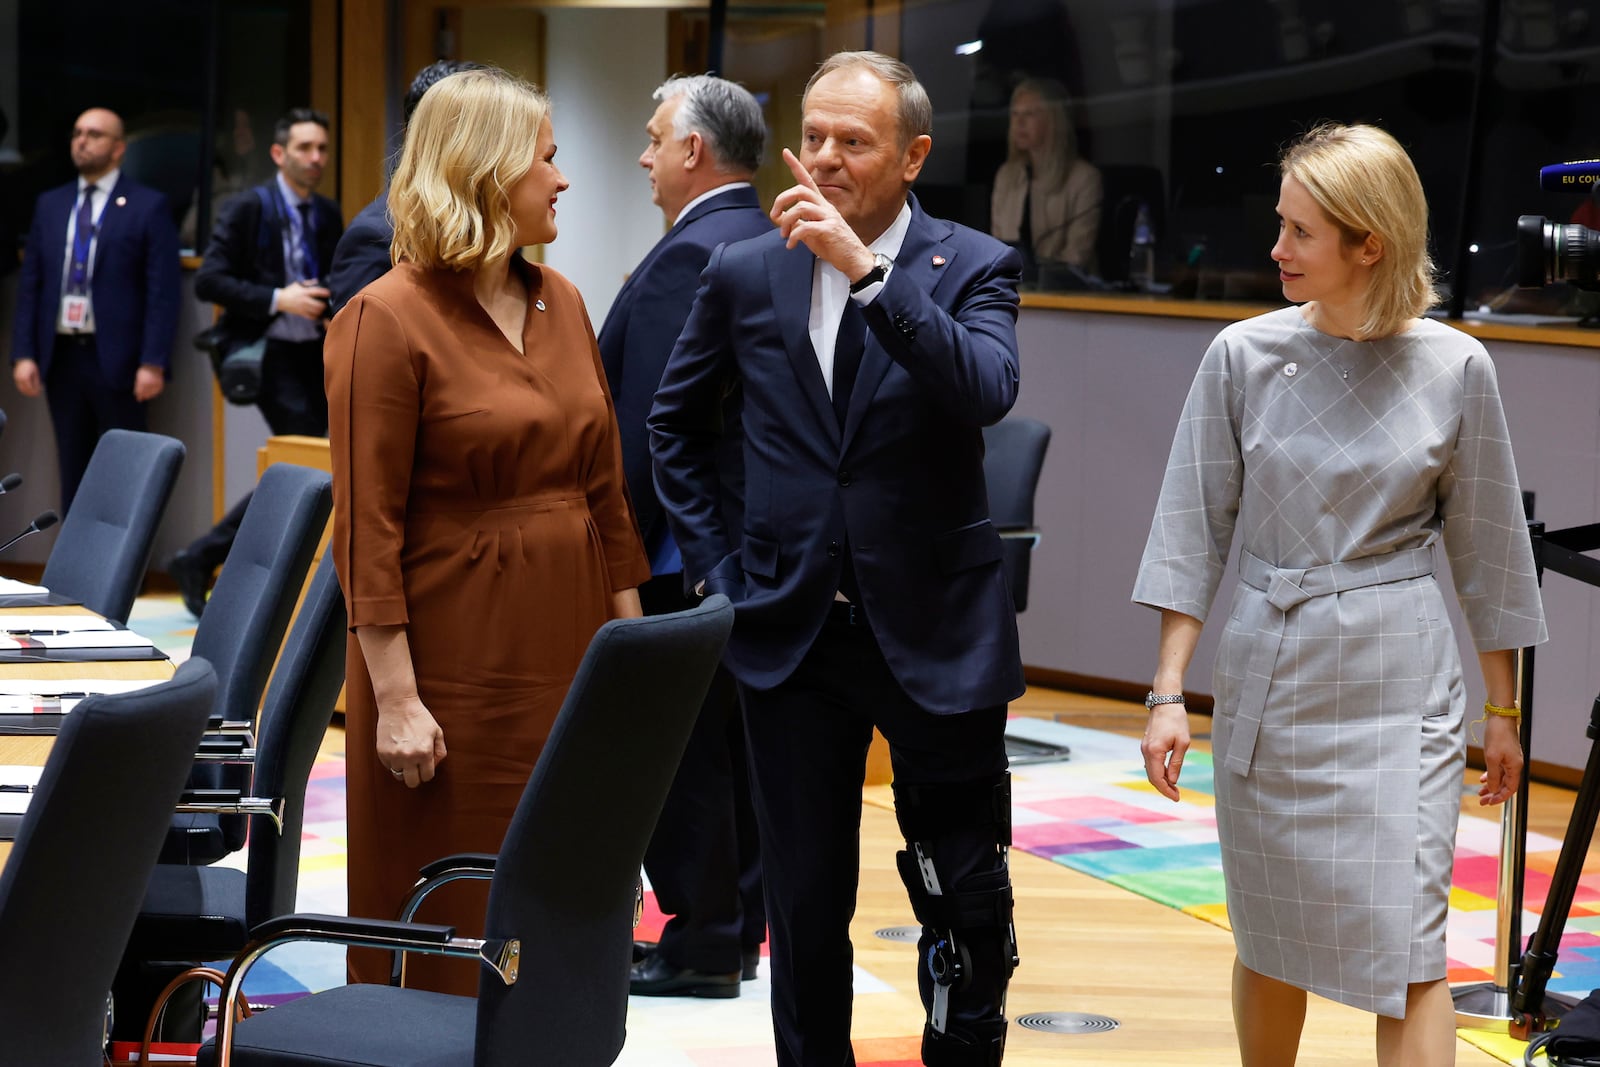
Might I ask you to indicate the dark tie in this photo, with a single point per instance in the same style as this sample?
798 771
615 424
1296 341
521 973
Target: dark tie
308 243
847 356
1025 230
82 235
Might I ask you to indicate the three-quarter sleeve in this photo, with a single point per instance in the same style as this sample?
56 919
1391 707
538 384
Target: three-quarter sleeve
374 398
1192 530
1485 530
607 491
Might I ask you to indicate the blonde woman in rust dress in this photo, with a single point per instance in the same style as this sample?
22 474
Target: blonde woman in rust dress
482 531
1341 440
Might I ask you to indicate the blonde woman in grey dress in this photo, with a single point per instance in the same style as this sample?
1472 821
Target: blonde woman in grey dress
1337 441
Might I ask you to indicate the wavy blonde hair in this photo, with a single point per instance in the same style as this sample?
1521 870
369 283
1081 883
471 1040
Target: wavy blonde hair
471 138
1366 184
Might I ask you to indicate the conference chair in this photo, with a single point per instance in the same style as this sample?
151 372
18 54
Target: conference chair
1012 459
100 555
559 937
194 914
243 626
72 885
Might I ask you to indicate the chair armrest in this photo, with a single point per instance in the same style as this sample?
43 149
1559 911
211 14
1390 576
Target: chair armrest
230 802
226 748
463 866
462 861
502 954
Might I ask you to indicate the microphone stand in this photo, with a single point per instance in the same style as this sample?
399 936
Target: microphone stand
1515 1001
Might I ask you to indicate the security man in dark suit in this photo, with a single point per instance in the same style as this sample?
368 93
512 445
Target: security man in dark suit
705 143
269 251
872 343
97 298
362 255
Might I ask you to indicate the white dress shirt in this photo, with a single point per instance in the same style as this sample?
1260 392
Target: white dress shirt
830 289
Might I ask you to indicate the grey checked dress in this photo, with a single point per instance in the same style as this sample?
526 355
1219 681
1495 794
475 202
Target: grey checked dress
1337 734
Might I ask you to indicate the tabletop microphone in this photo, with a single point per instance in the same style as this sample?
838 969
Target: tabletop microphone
9 482
43 522
1580 176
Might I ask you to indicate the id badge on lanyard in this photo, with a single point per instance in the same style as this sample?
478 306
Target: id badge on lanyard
75 310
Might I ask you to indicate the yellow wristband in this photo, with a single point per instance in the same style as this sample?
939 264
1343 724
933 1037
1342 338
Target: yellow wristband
1506 713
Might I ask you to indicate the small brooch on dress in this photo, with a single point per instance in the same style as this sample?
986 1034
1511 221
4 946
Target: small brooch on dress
1291 369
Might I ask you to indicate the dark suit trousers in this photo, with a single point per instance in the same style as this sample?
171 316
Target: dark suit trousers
84 405
293 401
808 742
703 861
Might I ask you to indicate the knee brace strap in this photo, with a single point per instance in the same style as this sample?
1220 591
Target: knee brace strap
929 810
981 901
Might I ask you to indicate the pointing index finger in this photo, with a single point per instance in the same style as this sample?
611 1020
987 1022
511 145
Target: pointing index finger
801 175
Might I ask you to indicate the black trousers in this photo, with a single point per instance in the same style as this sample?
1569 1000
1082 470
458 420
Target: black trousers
704 861
293 401
808 742
83 405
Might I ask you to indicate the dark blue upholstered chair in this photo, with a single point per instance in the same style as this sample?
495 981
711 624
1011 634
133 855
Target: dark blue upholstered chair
559 936
243 627
205 913
101 553
72 886
1012 459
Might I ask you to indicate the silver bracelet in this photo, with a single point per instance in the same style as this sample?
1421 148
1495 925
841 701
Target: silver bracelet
1152 698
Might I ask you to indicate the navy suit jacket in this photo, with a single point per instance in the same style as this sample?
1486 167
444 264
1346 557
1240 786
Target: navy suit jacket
643 325
134 286
240 270
362 254
901 483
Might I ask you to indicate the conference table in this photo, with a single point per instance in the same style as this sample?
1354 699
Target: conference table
33 749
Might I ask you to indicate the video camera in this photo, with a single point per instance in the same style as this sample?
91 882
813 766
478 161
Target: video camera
1550 252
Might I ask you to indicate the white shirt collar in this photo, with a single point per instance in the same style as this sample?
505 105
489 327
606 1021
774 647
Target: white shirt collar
105 183
707 195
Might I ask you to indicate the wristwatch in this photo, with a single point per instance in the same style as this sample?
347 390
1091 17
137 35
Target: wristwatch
1152 698
881 265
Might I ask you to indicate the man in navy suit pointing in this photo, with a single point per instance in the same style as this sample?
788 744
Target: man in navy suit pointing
872 344
705 143
97 298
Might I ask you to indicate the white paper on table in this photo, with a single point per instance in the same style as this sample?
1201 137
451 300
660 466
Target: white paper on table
16 803
35 687
23 623
83 639
12 587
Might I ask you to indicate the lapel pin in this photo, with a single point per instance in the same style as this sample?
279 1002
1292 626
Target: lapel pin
539 304
1291 370
938 261
122 201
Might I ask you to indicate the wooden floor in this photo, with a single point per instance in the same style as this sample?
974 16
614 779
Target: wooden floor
1088 946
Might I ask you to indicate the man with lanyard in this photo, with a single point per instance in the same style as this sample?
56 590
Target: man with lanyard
263 265
97 298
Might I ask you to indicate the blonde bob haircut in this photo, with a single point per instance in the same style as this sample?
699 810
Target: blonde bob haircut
471 138
1367 185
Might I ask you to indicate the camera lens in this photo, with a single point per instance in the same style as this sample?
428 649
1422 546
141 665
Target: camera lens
1549 252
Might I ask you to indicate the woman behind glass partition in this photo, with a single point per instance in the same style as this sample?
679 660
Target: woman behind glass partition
1046 198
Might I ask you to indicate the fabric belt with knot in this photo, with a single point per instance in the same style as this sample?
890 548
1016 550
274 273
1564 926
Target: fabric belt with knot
1287 587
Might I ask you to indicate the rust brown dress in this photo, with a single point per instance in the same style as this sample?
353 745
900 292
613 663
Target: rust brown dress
480 502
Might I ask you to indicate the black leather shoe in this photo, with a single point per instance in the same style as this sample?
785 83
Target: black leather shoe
752 961
641 949
191 577
655 977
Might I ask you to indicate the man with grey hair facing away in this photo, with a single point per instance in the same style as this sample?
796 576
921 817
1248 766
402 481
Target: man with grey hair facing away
705 143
